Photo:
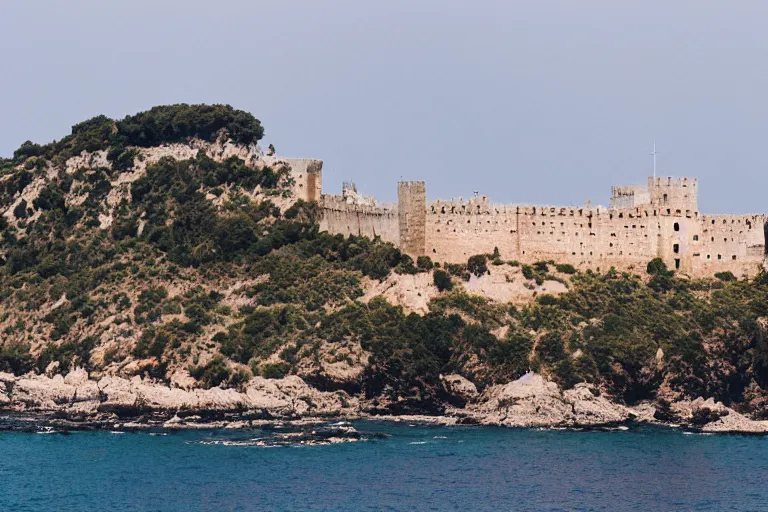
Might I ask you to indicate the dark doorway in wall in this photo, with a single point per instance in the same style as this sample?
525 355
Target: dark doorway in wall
677 226
677 263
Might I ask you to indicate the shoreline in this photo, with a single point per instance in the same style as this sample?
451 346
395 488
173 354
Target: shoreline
77 402
54 422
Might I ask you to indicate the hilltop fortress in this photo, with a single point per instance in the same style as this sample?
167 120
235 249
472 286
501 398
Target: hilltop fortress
642 222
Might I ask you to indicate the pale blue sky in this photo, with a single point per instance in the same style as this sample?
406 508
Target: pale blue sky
540 101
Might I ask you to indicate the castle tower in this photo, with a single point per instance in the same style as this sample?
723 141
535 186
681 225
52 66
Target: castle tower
412 216
679 195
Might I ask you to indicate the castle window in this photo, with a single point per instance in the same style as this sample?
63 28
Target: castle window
621 215
677 262
677 226
719 257
611 244
733 257
725 239
676 248
707 256
724 221
434 250
669 211
665 198
713 239
713 221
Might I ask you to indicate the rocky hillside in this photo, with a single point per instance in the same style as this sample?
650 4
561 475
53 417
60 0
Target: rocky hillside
166 247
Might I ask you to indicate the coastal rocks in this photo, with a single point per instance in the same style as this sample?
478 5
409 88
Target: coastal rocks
77 396
457 387
334 366
710 416
532 401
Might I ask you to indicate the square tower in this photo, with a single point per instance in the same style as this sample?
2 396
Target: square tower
679 195
412 217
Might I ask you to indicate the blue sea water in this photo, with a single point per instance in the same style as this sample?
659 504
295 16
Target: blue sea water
416 468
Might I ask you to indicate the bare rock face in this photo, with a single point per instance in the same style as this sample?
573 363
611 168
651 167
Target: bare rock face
76 394
532 401
710 416
459 387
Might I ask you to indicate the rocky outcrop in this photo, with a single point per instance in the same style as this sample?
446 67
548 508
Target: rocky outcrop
78 396
711 416
532 401
459 388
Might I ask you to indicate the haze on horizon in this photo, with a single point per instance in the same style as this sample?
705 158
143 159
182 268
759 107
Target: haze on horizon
545 102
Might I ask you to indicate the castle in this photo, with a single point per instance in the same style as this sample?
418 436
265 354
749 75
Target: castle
660 219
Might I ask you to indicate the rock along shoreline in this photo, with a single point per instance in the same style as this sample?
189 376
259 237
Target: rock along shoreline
34 403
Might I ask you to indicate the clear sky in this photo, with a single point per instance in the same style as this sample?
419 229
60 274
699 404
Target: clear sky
538 101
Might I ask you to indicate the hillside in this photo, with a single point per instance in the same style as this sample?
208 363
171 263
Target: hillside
166 246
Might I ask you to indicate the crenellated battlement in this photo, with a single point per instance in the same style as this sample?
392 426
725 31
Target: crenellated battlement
657 220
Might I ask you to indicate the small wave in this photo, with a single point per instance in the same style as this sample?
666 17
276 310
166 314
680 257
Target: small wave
439 437
418 442
116 432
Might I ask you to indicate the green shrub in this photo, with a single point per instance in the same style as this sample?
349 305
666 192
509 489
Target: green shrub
442 280
565 268
656 267
216 373
528 272
725 276
477 264
547 300
274 370
424 263
15 358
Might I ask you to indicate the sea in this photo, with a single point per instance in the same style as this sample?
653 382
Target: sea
404 467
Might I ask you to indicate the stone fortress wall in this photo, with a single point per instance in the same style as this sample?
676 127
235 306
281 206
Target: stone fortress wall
659 219
355 214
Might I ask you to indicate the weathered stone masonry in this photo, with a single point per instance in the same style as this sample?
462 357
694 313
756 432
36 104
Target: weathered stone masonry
659 219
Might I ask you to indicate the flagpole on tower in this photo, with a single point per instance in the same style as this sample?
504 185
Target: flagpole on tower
654 160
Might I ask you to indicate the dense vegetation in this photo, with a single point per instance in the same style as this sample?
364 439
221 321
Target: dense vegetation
159 125
192 274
